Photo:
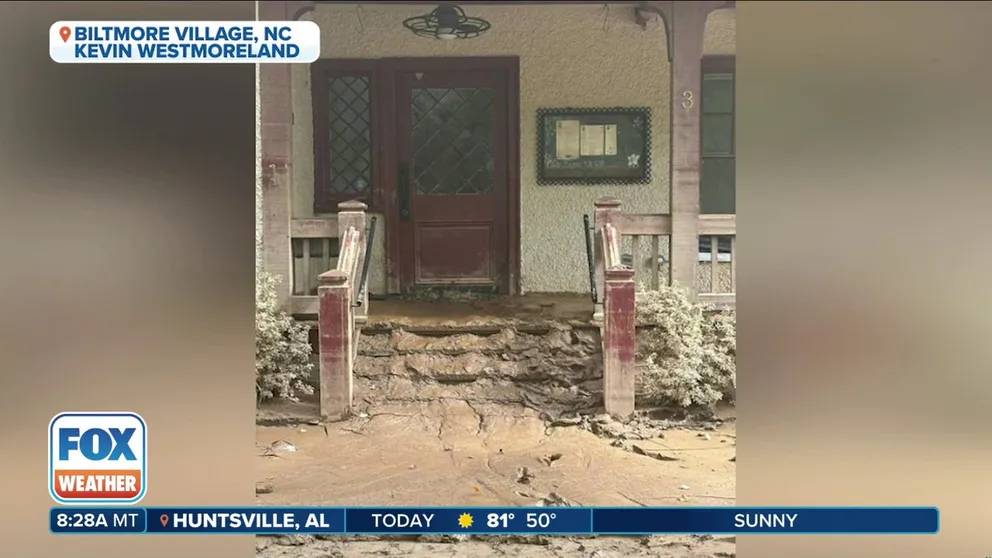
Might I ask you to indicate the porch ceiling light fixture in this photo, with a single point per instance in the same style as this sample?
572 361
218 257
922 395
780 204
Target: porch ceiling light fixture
447 22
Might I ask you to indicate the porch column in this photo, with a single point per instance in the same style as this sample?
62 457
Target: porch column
274 83
686 23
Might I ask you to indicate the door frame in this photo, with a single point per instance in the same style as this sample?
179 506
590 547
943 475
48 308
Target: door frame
388 68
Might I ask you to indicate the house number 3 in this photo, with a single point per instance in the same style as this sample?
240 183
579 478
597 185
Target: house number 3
687 100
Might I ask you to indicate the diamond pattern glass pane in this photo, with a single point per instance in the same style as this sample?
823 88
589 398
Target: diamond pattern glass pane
452 141
350 142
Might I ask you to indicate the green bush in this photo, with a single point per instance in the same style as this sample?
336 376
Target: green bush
282 347
689 355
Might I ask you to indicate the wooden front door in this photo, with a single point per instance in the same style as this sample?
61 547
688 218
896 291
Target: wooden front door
452 179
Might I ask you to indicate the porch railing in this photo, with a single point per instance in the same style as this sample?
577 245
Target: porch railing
716 275
645 243
315 246
631 253
342 306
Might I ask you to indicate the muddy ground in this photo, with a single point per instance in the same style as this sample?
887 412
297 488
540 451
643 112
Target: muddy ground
452 452
495 405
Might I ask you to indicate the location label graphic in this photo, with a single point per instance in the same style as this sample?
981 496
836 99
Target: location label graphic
183 42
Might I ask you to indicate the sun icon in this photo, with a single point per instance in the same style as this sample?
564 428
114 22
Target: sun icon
465 520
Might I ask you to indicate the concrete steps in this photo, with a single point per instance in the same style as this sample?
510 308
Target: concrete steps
554 367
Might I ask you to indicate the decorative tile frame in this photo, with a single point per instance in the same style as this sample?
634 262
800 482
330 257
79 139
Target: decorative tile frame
637 119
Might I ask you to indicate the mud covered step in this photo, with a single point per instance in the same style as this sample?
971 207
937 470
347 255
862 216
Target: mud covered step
470 367
508 342
558 368
542 397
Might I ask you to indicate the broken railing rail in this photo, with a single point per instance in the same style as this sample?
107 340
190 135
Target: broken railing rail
587 231
366 262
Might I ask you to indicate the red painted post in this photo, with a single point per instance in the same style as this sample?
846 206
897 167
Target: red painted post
619 342
607 211
336 326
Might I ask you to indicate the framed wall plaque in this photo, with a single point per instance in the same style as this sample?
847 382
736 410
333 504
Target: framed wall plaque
593 146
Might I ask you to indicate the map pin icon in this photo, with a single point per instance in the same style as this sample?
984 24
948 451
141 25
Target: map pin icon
164 519
64 33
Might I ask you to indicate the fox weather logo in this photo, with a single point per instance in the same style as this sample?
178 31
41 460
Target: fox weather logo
97 458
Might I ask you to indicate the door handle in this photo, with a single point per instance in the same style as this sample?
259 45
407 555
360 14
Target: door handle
403 190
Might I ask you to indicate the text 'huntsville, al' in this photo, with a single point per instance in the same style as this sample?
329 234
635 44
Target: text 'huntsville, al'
251 520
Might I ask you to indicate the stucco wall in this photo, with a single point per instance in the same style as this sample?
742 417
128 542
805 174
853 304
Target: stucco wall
570 55
721 32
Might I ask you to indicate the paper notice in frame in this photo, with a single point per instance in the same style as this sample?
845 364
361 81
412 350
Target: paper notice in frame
610 139
592 143
567 140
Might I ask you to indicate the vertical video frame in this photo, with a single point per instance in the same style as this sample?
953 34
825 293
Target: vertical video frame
433 328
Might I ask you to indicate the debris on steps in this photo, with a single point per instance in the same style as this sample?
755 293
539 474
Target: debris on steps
554 369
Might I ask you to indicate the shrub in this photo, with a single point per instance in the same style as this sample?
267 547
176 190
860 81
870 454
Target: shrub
282 347
720 352
690 355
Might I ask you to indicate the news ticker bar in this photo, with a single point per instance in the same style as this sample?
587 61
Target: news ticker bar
494 521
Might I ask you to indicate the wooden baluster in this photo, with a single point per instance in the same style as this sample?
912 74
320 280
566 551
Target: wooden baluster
733 264
635 257
714 261
655 262
305 272
325 254
295 279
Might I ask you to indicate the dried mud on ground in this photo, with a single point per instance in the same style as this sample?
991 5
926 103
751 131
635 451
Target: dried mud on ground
451 452
544 547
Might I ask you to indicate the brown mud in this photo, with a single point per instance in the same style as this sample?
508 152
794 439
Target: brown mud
505 416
